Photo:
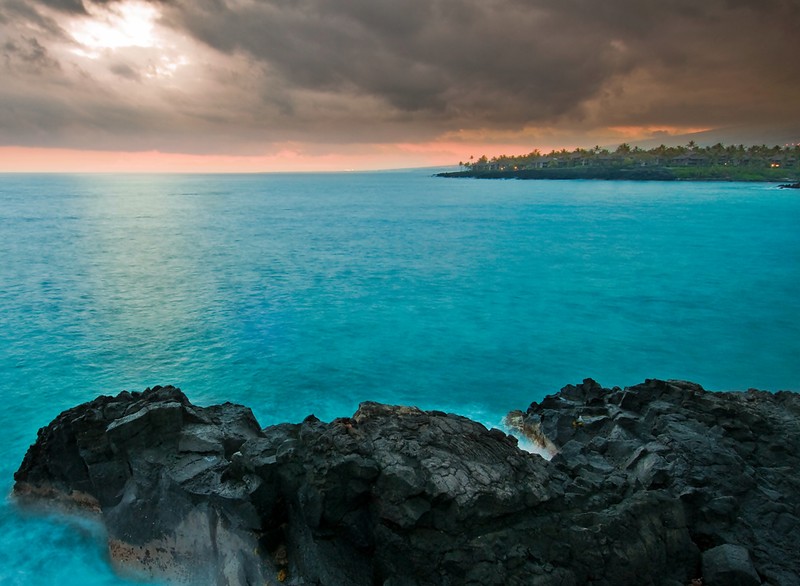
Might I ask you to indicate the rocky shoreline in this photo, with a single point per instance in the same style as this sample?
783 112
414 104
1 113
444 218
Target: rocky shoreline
662 483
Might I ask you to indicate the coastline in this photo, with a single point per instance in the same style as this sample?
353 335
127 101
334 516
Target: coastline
634 174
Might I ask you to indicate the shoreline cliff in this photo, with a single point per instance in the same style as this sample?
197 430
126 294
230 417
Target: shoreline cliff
661 483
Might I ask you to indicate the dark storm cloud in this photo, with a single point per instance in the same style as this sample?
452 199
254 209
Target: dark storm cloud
20 12
27 54
388 70
75 6
498 61
126 71
80 6
507 62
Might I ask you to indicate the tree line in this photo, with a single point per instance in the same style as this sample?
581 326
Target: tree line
688 155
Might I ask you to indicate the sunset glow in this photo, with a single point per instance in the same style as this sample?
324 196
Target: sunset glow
26 160
291 157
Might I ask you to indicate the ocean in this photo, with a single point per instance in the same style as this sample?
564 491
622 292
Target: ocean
300 294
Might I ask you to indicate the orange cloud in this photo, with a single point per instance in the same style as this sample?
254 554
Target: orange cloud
645 132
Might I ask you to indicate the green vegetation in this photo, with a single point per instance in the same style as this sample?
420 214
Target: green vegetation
690 162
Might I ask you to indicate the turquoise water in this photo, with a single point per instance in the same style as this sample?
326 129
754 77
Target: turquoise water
298 294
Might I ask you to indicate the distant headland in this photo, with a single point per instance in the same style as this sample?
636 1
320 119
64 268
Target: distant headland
690 163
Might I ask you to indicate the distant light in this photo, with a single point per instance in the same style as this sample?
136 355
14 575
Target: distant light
129 24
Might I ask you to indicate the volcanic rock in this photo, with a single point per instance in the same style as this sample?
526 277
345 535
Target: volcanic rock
654 484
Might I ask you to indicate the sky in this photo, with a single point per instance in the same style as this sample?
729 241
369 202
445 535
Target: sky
335 85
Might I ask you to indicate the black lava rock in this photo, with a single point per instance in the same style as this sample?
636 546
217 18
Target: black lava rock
653 484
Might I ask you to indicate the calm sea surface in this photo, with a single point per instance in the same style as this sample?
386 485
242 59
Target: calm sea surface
298 294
